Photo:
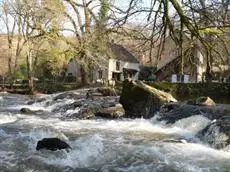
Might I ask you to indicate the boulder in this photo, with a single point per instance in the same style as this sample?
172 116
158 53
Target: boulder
107 91
89 94
175 141
40 100
202 101
140 100
29 111
101 91
92 110
30 102
71 106
217 133
26 110
172 112
67 95
52 144
36 101
83 114
86 108
116 111
87 114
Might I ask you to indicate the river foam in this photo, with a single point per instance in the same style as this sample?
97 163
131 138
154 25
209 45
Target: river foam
104 145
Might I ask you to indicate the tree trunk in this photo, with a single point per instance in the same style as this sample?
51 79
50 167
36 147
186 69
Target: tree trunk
29 73
84 76
84 68
181 48
18 52
208 75
10 70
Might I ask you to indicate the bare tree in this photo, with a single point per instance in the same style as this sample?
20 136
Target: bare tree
202 20
10 22
88 20
36 20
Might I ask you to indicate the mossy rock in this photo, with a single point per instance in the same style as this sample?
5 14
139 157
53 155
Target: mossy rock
202 101
107 91
116 111
141 100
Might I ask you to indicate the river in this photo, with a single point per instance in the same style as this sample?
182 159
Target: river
129 145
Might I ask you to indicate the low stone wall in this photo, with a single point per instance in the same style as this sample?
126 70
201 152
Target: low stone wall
219 92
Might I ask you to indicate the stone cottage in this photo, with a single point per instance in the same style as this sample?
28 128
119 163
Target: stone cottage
118 64
194 61
169 64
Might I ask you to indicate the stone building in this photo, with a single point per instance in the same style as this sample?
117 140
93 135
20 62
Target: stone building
119 65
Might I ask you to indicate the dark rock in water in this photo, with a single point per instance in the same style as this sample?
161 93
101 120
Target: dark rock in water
52 144
89 95
29 111
36 101
202 101
106 115
83 114
26 110
140 100
86 108
31 102
40 100
87 114
116 111
174 111
67 95
107 91
104 108
217 133
108 105
101 91
70 106
175 141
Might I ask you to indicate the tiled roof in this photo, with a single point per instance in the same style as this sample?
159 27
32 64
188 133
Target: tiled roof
121 53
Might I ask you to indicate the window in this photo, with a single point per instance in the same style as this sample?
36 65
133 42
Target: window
100 74
117 65
116 76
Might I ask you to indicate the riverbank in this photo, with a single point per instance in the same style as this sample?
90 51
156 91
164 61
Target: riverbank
45 88
220 92
52 88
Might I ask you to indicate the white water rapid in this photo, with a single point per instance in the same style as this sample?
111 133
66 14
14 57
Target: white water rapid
129 145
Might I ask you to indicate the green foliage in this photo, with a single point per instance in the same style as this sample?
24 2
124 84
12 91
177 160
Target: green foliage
50 63
219 92
71 79
164 86
49 87
209 30
147 73
21 73
105 7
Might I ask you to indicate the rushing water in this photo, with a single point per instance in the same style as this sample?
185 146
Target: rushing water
101 145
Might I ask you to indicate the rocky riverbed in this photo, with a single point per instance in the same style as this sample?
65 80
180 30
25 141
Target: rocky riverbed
177 137
99 103
141 100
